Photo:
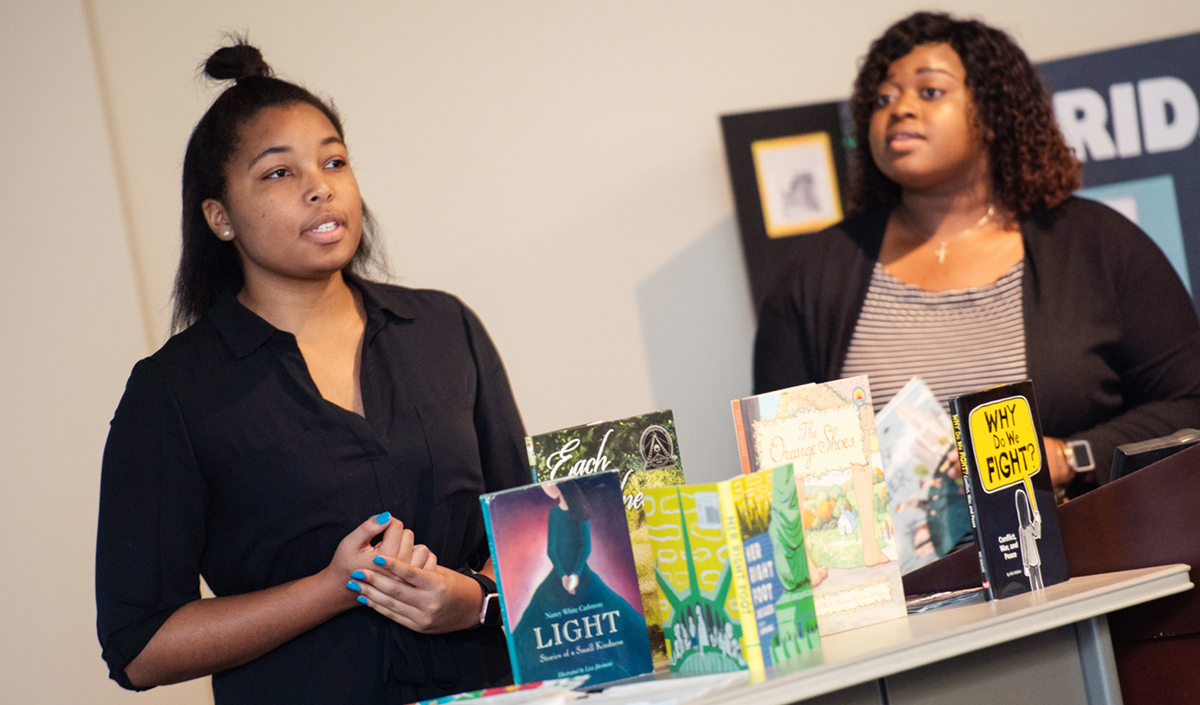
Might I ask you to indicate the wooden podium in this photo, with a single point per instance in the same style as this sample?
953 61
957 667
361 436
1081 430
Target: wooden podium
1149 518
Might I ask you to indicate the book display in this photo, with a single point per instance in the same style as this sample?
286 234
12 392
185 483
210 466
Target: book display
926 492
644 451
999 440
568 585
778 570
827 432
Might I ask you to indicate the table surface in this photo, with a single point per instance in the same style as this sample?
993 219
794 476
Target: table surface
880 650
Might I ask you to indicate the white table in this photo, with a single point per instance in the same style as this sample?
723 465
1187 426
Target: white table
1051 647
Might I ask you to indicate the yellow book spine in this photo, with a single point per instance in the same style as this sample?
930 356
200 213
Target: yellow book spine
727 492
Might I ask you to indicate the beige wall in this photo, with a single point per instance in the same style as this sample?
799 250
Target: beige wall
69 329
557 165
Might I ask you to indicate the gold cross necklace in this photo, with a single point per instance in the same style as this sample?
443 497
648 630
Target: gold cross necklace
943 248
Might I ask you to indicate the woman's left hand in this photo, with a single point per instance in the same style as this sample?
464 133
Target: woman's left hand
1061 472
427 601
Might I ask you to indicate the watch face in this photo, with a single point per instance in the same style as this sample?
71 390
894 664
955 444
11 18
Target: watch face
1082 455
491 610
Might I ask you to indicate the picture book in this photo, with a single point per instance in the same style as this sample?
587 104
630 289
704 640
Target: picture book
827 432
999 439
644 450
763 528
694 577
569 595
926 491
733 573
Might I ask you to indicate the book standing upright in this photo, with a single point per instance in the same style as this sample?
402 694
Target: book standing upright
827 431
766 539
696 595
1013 516
733 573
926 495
568 585
644 450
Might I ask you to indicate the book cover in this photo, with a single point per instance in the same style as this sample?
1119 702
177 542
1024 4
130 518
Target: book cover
827 432
568 586
999 439
552 692
763 524
696 595
926 491
644 450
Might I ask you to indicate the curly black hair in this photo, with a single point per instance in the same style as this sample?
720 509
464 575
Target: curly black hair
1032 166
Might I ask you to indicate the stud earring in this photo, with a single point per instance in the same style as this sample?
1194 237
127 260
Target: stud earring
227 235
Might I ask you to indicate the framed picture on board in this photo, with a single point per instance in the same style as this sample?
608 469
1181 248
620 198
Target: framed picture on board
788 170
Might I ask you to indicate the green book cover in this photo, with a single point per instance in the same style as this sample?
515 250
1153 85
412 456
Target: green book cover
644 451
779 595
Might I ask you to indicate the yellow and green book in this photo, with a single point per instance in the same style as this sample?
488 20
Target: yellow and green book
732 573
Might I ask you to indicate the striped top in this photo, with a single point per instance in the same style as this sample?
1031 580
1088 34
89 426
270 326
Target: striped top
957 341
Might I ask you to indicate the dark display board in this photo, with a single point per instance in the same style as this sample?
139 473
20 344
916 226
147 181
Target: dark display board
788 168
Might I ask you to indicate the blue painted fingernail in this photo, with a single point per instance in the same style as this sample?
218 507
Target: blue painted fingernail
354 586
362 600
358 575
384 518
379 560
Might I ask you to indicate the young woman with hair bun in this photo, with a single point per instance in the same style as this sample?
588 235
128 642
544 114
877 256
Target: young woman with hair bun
968 262
312 442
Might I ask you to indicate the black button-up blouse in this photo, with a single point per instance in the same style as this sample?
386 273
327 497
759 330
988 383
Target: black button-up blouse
223 460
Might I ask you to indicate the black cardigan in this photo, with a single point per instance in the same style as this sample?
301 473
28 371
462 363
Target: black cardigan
1112 340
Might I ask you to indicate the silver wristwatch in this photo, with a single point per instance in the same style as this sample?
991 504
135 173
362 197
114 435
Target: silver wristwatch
1079 456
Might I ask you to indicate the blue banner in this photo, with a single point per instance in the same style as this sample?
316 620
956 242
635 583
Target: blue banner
1133 118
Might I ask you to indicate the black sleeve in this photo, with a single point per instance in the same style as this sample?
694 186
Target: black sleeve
151 521
498 425
805 324
1158 355
780 360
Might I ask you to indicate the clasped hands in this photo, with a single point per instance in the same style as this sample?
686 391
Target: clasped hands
402 580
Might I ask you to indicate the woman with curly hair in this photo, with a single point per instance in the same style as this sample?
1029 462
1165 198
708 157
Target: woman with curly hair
968 262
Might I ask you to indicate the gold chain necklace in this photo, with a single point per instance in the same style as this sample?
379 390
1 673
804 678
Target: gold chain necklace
943 248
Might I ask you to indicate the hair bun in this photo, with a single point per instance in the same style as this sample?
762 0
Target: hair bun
236 62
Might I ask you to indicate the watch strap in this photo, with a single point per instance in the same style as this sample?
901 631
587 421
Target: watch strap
489 613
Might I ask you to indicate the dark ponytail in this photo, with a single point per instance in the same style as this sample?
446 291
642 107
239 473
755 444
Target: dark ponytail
207 265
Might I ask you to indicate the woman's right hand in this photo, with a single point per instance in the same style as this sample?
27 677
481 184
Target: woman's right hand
216 634
356 552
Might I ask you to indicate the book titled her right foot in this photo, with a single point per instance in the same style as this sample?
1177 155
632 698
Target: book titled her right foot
999 439
569 594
